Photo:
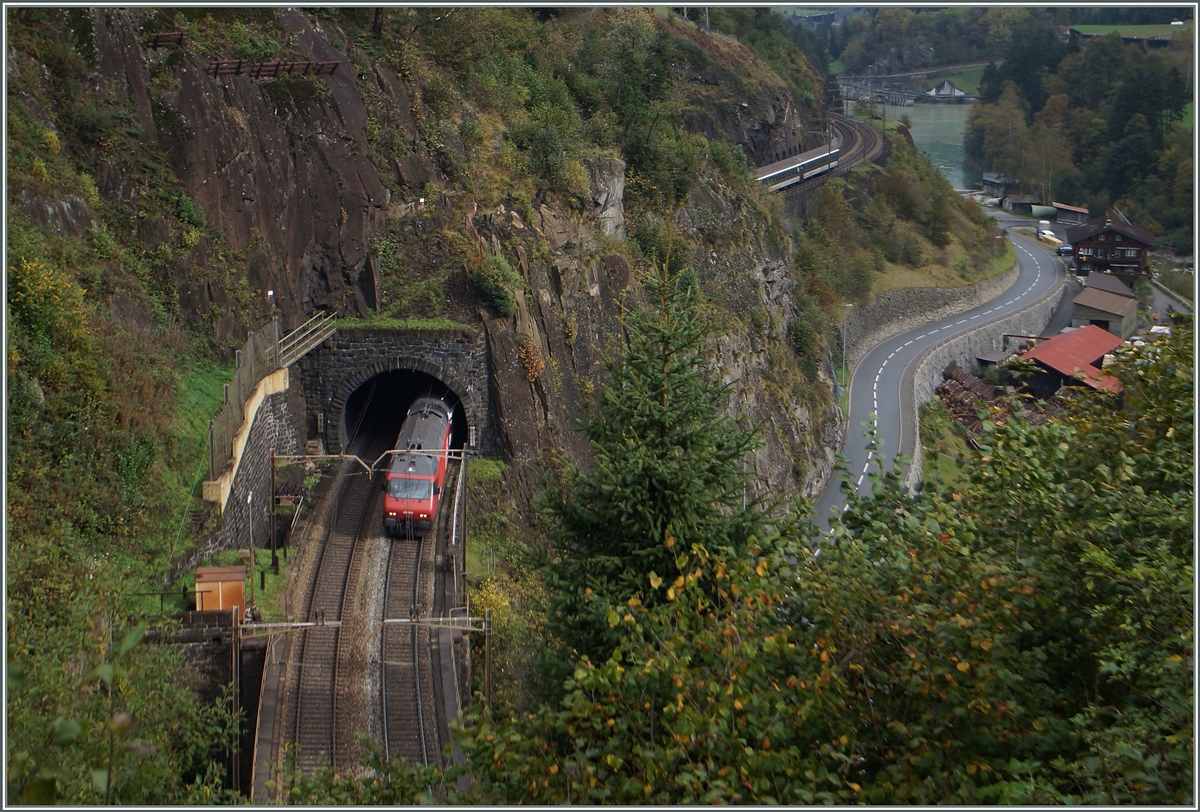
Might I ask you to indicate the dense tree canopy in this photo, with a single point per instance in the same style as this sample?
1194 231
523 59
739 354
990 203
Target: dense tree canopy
1090 124
1024 639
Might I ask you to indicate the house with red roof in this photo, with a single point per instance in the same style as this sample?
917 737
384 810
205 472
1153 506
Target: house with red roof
1072 359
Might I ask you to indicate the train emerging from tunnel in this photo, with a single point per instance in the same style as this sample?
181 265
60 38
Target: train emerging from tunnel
413 486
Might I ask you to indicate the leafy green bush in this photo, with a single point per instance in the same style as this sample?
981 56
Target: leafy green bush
731 161
187 210
495 282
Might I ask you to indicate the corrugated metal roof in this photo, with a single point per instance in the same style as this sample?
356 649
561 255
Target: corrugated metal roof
1076 352
1110 283
1113 303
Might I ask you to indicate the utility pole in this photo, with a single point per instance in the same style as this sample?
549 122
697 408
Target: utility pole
250 528
274 552
487 657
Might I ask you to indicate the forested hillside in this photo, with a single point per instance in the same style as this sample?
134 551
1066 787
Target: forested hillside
1095 124
576 185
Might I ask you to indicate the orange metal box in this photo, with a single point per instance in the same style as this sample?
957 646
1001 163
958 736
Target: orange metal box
221 588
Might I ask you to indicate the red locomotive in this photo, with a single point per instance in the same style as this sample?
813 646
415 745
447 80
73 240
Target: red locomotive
418 470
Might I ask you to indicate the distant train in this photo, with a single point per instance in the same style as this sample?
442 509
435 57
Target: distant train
417 472
790 171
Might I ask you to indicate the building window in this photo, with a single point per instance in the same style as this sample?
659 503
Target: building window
1101 253
1085 252
1117 238
1102 237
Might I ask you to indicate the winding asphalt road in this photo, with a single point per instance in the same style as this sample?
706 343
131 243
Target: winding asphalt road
881 383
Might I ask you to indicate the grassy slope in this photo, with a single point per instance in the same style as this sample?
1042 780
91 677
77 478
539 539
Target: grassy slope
966 79
1184 30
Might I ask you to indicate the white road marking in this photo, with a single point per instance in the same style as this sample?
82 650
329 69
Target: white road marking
879 373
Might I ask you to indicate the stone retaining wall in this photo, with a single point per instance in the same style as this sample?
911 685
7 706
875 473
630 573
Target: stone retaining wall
905 308
277 425
927 375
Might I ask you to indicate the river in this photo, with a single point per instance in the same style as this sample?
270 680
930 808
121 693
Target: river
937 129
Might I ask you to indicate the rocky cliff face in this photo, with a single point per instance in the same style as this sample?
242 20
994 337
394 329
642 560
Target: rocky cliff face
283 170
549 358
279 168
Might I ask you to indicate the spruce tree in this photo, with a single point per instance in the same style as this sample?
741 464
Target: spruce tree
666 474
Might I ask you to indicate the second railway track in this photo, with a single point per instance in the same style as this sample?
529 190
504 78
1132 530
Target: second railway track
314 706
406 672
363 676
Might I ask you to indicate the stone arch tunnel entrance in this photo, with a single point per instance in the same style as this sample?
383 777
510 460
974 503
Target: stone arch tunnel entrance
368 378
378 407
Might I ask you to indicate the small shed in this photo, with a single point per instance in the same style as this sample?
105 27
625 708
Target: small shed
1069 215
1110 283
1108 311
1021 204
221 588
1069 359
994 184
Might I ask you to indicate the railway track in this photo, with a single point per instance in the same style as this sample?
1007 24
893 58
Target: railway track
361 675
858 144
315 700
406 669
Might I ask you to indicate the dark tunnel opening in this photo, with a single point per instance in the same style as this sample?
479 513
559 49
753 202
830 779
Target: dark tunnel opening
375 411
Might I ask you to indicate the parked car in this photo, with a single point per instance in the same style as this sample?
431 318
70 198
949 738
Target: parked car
1064 250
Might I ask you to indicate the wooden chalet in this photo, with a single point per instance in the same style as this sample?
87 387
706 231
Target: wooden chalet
1111 246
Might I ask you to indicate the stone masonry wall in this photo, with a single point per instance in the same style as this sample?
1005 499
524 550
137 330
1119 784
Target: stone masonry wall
899 310
278 426
333 371
964 349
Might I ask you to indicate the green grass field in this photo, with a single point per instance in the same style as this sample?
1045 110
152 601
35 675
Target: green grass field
966 79
1138 30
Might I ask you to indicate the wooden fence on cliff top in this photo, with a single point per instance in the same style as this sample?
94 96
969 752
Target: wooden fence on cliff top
259 358
265 352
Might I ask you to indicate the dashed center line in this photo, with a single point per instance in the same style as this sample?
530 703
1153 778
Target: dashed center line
879 372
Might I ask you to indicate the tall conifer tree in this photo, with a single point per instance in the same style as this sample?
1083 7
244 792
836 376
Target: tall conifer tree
667 472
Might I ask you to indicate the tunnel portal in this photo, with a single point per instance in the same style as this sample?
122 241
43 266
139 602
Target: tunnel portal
368 377
379 405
